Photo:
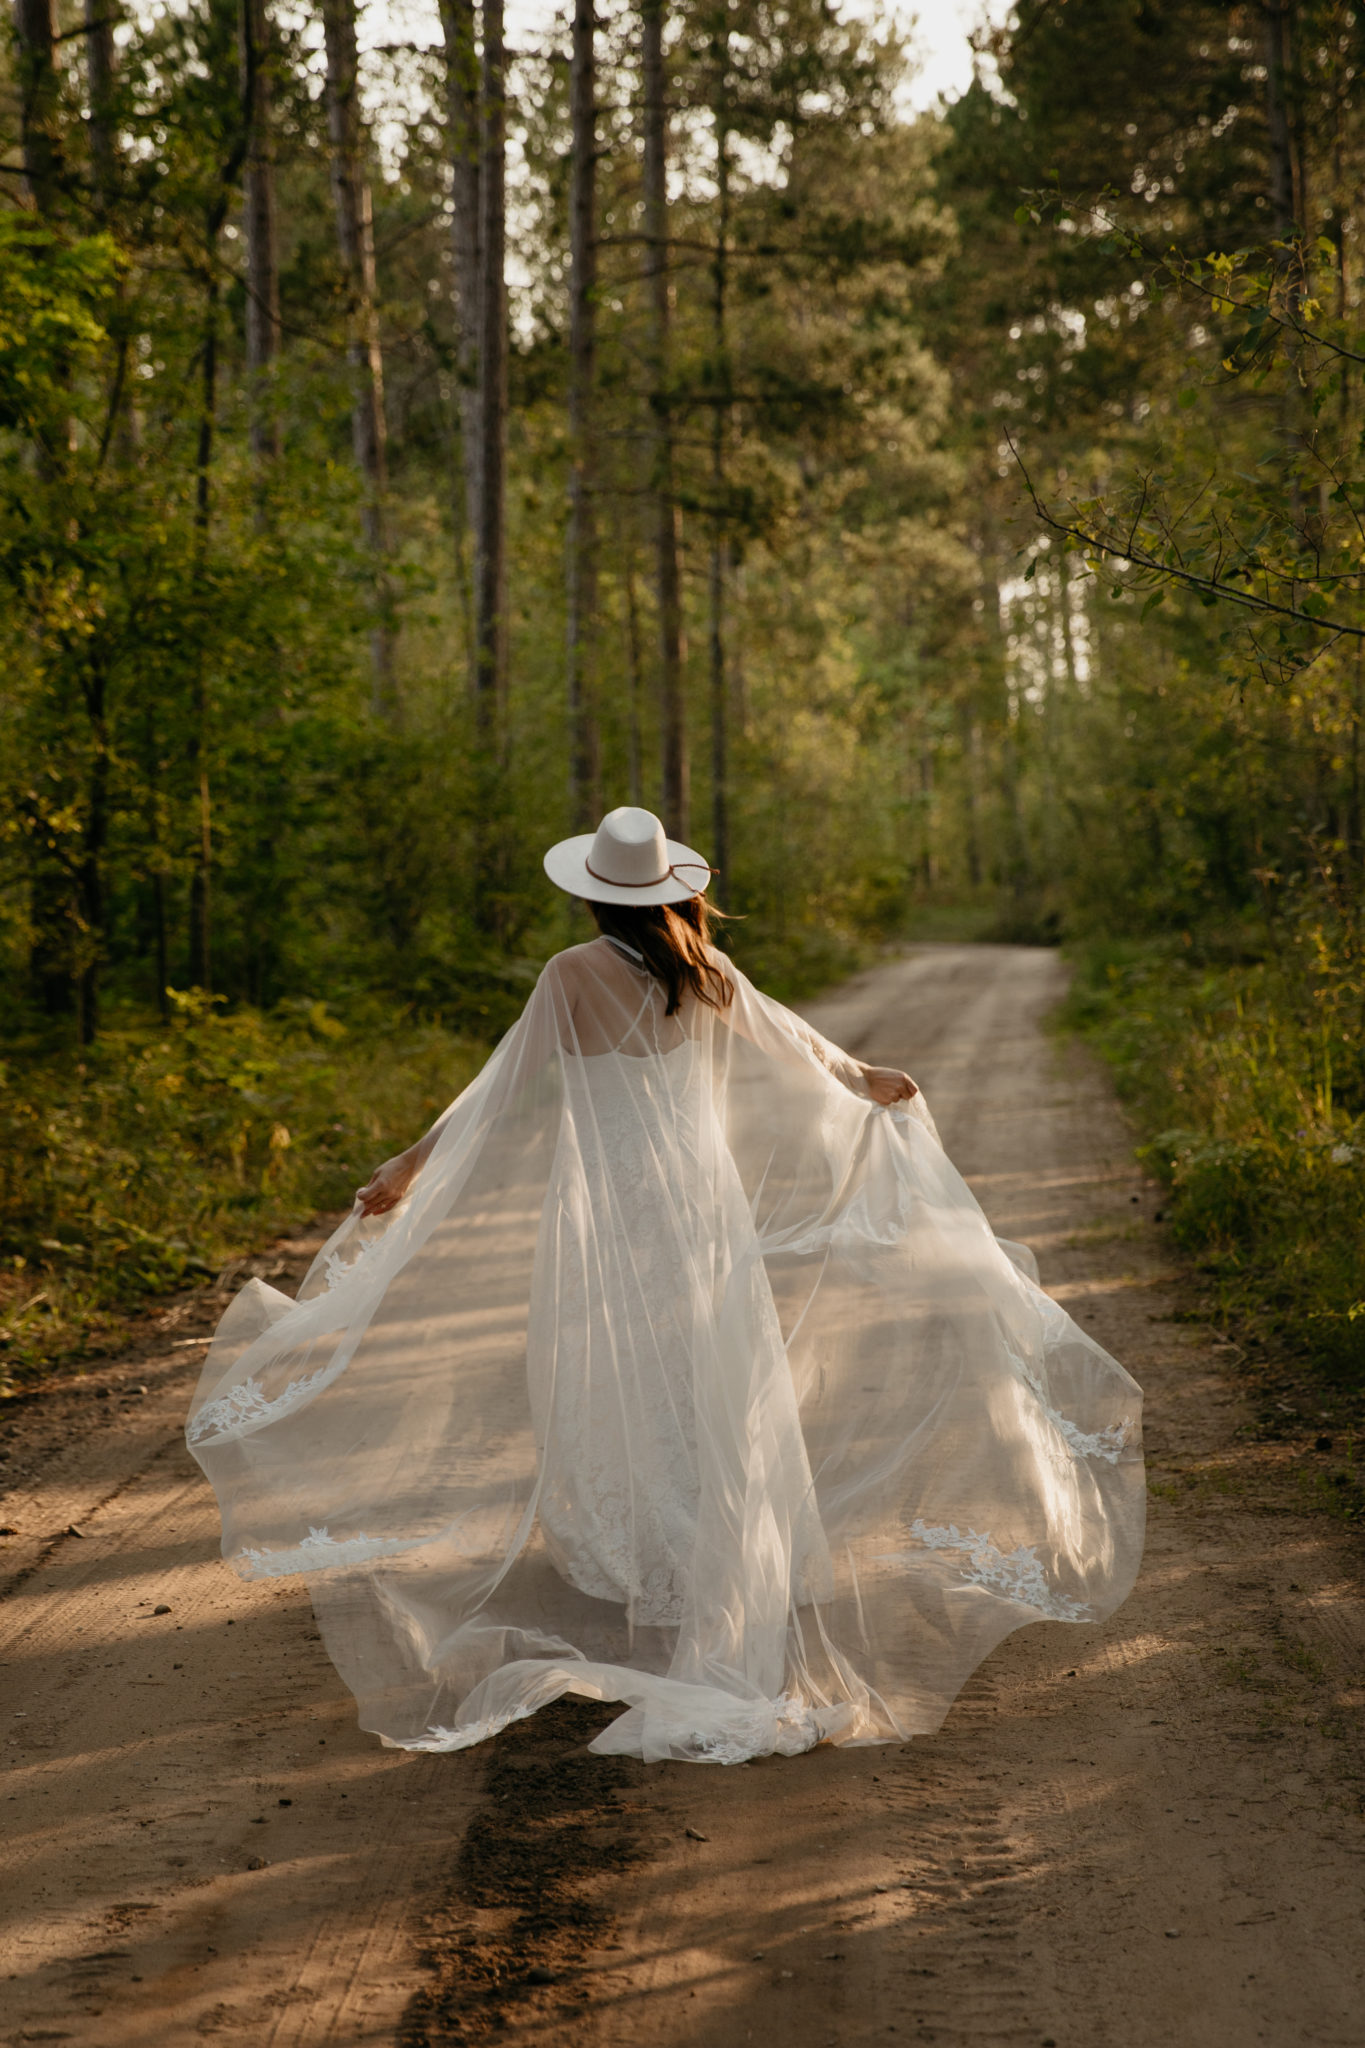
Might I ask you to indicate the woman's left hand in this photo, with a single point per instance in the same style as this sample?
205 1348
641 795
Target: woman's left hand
887 1085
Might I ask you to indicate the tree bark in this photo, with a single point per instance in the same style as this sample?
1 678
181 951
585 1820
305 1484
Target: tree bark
1281 165
258 217
90 874
928 858
355 238
625 543
100 61
585 776
463 127
122 426
201 874
490 623
720 420
39 87
971 765
672 707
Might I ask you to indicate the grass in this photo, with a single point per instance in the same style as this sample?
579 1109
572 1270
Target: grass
1247 1080
166 1149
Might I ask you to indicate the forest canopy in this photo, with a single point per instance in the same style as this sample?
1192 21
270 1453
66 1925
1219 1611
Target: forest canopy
950 521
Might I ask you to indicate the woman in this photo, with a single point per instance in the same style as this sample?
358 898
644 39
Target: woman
675 1366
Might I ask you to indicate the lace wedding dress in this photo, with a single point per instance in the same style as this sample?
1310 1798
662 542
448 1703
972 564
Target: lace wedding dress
683 1377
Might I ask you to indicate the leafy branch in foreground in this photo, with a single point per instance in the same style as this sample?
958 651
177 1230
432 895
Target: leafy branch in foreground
1146 535
1285 539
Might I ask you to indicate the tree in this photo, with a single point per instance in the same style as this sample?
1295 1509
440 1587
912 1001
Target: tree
584 752
100 63
39 102
668 570
720 405
355 238
463 125
258 216
490 556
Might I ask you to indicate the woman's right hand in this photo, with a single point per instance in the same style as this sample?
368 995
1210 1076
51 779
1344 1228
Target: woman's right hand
386 1186
888 1086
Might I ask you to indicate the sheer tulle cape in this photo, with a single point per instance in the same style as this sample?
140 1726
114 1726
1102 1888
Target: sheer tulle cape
684 1377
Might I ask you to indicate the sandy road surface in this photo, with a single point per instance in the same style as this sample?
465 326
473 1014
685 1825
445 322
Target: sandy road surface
1148 1833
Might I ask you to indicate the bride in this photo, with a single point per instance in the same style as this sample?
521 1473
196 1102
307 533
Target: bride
675 1366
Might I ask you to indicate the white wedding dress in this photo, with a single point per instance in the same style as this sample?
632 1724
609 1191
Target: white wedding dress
683 1377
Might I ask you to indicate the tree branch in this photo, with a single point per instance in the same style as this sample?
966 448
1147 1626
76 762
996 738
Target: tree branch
1212 587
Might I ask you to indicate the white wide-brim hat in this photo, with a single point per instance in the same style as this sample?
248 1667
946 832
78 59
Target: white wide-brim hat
627 860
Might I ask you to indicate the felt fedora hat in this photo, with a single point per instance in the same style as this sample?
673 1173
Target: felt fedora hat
627 860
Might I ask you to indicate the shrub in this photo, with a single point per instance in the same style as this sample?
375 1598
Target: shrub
1247 1078
163 1151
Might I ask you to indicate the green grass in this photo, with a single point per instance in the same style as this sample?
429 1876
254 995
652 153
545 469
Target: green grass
1247 1079
141 1166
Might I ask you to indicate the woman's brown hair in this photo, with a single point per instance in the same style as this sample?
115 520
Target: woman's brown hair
674 941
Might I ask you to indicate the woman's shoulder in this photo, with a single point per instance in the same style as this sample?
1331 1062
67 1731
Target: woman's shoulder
574 964
726 963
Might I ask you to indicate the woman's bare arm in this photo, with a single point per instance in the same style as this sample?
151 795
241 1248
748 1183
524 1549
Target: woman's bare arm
776 1027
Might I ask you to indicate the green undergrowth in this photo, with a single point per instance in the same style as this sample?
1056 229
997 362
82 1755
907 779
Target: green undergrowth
137 1168
1246 1075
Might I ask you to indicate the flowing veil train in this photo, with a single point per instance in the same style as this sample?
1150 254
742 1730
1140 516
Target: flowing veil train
684 1377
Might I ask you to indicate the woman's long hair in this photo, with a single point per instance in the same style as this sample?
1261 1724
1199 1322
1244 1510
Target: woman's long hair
674 940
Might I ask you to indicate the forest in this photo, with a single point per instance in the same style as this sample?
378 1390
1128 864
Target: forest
419 432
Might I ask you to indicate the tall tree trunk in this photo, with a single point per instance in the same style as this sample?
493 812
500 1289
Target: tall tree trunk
1014 866
122 426
258 216
90 873
1355 836
490 568
39 89
40 134
971 763
1284 196
720 421
100 61
1281 166
155 840
355 238
201 874
672 708
452 424
585 776
928 858
634 669
464 128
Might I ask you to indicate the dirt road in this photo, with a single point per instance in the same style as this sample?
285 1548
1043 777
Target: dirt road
1146 1834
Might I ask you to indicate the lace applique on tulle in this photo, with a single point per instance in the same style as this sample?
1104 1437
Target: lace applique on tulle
438 1738
247 1405
1016 1574
318 1552
785 1726
338 1268
1105 1443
